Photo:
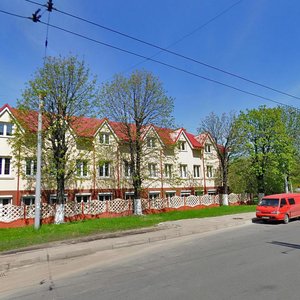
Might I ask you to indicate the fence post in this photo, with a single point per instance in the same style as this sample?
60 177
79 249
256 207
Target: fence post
107 206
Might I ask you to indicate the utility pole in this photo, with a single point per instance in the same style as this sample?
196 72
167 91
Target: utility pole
37 219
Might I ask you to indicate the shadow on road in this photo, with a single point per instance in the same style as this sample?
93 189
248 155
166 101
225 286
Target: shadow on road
294 246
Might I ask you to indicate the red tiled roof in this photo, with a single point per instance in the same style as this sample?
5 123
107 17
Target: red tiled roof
193 140
87 127
201 138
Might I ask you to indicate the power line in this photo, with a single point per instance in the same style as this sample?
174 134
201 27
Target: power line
189 34
173 53
159 62
14 15
164 64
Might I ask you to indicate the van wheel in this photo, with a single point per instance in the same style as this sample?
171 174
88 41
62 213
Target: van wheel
286 219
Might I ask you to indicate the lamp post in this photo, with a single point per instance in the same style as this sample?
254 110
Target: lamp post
37 219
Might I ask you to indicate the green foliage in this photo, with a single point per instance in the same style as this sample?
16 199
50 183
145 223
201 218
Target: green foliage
265 143
136 101
65 91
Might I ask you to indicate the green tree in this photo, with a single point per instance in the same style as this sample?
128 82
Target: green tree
68 92
136 102
265 142
291 119
224 135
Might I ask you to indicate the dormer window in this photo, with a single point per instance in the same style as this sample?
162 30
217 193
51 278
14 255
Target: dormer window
151 142
6 129
182 146
104 138
208 148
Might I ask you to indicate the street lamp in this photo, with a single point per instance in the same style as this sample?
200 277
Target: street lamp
37 219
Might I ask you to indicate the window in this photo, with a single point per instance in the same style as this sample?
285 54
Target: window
81 168
207 148
82 198
154 195
151 142
127 169
292 201
6 129
104 138
129 195
182 146
183 171
53 199
104 169
152 170
4 166
104 196
185 193
283 202
5 200
170 194
30 168
168 171
209 171
196 171
28 200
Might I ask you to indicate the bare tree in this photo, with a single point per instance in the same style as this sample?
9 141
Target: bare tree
136 102
223 133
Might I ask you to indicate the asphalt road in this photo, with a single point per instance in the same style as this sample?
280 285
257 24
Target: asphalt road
256 261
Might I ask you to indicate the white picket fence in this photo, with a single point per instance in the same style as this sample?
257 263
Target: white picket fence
9 213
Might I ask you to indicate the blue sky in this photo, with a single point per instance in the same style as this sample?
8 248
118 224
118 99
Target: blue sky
256 39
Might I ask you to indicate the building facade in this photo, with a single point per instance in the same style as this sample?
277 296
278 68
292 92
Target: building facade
174 162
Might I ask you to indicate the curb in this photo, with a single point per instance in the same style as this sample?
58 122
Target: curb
44 256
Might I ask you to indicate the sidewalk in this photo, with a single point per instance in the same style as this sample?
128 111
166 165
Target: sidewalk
91 244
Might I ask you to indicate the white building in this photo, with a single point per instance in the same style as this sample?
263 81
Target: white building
175 162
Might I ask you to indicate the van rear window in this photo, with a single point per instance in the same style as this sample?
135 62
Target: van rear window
269 202
291 201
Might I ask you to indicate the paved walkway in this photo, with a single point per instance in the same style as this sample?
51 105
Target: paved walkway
96 243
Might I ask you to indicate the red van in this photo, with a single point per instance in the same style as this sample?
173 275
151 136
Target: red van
280 207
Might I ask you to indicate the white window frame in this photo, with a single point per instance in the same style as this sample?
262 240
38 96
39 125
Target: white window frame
127 169
185 193
208 148
209 171
104 169
104 138
53 198
151 142
170 194
129 195
31 199
168 170
6 132
82 198
30 167
183 171
5 198
82 168
182 146
105 195
154 195
3 166
152 167
197 171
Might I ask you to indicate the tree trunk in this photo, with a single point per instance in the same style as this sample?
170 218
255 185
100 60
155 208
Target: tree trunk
225 186
60 206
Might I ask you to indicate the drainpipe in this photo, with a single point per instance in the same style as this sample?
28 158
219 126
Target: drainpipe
204 178
161 174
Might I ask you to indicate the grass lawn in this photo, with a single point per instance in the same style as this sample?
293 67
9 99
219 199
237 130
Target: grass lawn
14 238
